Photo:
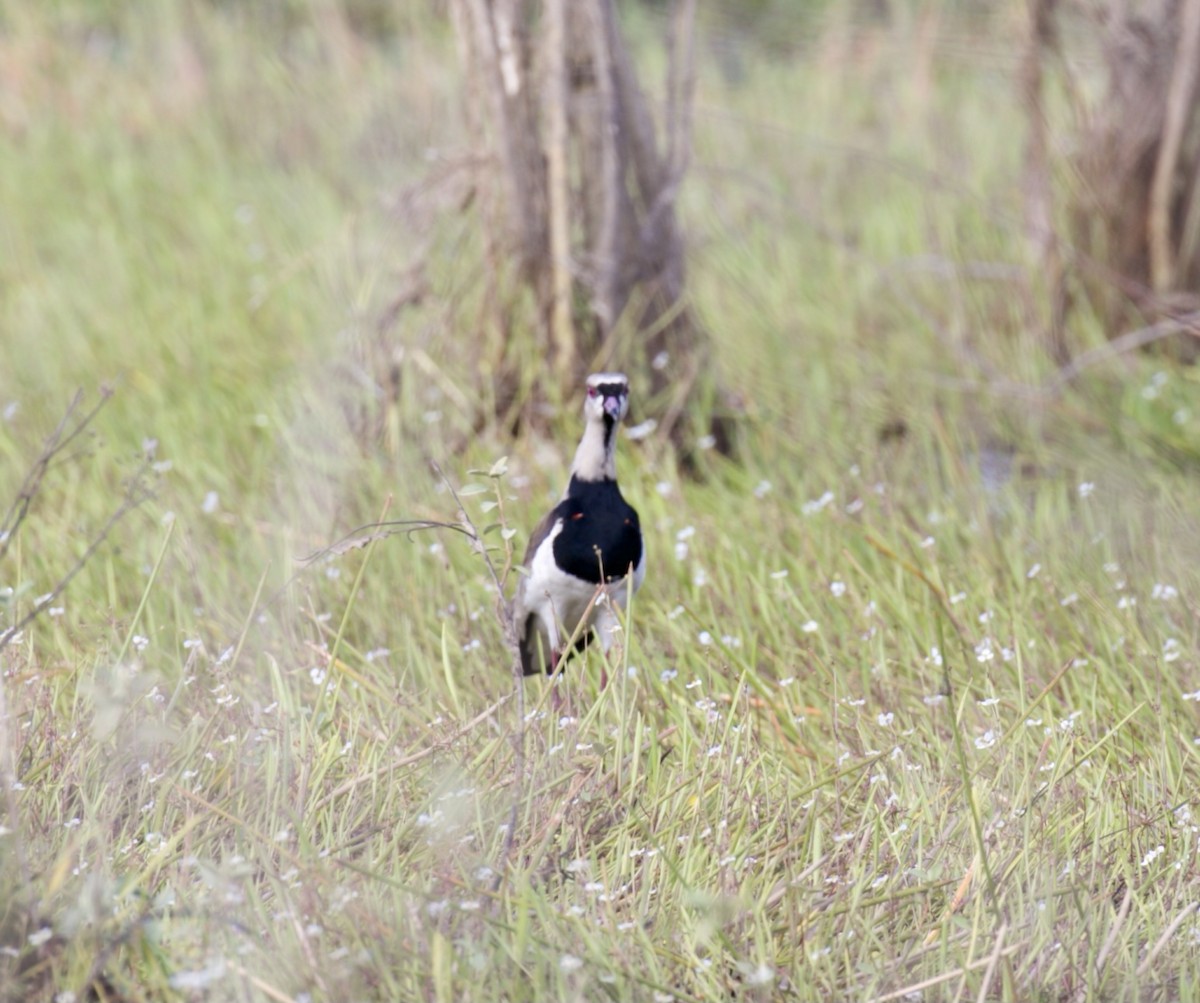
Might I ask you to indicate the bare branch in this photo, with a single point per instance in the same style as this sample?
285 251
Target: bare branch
352 540
509 628
1180 96
681 91
1188 323
607 260
58 440
136 495
554 106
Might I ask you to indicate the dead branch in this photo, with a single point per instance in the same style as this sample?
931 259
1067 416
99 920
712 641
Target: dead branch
136 494
58 440
1180 96
562 334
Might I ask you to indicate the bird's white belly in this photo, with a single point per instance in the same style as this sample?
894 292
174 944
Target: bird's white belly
560 598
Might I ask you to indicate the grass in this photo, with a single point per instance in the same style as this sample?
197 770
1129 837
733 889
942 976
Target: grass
907 707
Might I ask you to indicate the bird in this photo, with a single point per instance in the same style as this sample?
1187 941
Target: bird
587 552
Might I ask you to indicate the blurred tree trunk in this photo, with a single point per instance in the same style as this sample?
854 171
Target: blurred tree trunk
579 186
1047 280
1136 217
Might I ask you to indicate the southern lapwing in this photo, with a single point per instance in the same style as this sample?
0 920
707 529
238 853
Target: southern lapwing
588 549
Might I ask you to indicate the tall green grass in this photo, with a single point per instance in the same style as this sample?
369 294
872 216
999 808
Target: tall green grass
907 707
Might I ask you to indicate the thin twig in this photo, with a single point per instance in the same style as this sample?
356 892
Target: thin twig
509 630
55 443
992 962
1111 940
954 973
1162 941
136 495
415 757
1188 323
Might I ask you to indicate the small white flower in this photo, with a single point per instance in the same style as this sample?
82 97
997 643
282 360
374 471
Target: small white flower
211 503
39 937
815 506
641 430
705 638
1086 488
570 963
1164 592
986 740
885 719
810 627
1172 650
983 650
838 588
762 489
1034 571
1150 857
758 975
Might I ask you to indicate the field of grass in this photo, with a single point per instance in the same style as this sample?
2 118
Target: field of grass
909 707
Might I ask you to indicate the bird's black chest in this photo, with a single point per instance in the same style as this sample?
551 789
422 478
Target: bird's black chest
600 537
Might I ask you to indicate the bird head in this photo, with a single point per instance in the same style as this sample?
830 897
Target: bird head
607 397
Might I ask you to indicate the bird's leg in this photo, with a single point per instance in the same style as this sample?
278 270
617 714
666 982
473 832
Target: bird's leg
556 697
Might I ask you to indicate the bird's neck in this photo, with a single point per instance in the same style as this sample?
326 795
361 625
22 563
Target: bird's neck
596 457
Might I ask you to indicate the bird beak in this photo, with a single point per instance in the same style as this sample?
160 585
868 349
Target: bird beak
612 406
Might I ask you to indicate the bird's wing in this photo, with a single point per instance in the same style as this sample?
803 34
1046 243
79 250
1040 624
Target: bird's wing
528 632
540 532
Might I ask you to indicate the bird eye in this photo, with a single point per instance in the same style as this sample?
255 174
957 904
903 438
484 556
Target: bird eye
592 391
